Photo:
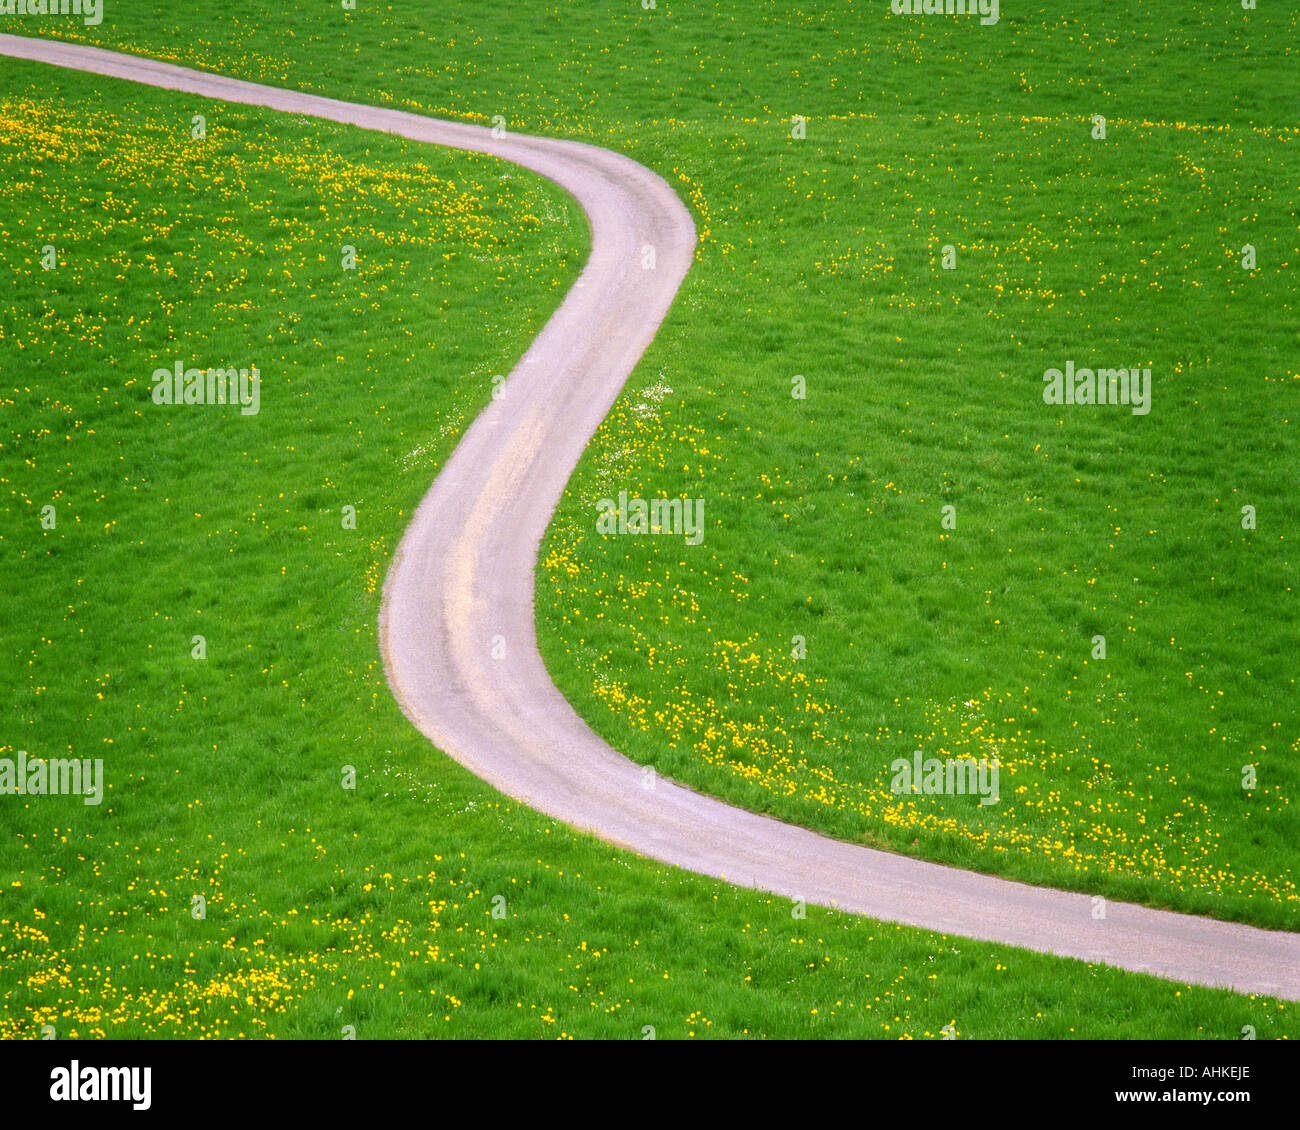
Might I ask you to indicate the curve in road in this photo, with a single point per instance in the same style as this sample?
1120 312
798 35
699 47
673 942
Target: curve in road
457 623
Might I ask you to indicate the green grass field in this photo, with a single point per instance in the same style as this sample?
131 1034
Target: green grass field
818 257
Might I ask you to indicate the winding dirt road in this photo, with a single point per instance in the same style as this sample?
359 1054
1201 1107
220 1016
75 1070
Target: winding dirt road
457 622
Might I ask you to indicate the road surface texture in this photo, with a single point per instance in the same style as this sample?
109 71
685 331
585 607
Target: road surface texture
457 625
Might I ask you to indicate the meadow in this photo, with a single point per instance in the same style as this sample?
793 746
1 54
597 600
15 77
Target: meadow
820 258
